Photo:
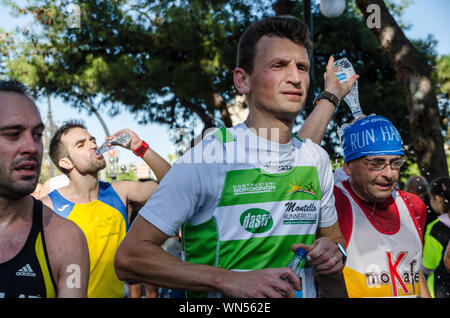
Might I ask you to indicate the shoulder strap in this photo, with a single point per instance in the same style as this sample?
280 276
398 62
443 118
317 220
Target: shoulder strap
37 224
345 212
37 212
41 251
109 196
61 206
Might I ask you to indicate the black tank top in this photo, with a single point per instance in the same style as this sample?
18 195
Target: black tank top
28 274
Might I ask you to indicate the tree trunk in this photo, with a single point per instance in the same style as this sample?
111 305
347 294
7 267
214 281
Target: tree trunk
95 112
414 75
219 103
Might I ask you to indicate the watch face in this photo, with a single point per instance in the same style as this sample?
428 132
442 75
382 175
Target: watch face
139 151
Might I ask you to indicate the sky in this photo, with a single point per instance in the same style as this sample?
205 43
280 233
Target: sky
424 16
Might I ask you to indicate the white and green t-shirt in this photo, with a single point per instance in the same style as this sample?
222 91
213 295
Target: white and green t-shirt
242 201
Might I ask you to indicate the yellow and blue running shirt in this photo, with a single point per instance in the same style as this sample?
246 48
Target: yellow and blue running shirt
104 223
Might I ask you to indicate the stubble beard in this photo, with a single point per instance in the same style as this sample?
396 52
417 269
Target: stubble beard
13 189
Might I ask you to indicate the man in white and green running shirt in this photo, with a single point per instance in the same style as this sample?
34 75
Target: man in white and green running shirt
247 196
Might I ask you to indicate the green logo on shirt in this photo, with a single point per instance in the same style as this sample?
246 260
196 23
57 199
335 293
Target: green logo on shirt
256 220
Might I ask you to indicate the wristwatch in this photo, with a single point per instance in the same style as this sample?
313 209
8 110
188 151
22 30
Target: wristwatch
327 95
141 149
343 252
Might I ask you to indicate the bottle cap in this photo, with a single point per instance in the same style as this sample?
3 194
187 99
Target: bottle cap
300 252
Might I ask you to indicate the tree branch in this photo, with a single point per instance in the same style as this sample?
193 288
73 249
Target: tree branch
206 119
92 108
414 75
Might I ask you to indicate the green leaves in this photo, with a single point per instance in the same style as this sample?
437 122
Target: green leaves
169 61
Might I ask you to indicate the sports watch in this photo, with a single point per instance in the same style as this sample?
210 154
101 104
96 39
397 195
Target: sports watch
327 95
141 149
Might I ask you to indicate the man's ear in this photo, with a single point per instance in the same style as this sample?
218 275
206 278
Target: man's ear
347 169
242 81
65 163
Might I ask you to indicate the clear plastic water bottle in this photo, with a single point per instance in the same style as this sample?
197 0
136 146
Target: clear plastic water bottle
344 73
297 264
121 139
340 131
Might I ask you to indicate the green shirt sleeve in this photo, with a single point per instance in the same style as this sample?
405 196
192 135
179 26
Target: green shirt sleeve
432 249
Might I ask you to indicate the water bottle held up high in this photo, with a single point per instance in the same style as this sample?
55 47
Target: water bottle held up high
344 73
121 139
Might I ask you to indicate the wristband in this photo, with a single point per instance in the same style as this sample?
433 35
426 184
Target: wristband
329 96
141 149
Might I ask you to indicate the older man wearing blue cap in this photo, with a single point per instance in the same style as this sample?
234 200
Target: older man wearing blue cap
382 226
378 143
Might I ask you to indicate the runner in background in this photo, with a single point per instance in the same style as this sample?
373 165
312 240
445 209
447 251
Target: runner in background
99 208
437 238
383 227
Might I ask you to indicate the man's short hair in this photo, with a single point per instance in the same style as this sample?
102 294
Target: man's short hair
285 26
57 149
13 85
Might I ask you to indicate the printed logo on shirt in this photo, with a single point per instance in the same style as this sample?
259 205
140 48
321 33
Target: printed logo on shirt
299 188
259 187
276 168
256 220
26 271
109 226
63 208
296 213
398 280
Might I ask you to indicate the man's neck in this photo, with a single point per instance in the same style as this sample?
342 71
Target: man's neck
81 189
11 209
270 128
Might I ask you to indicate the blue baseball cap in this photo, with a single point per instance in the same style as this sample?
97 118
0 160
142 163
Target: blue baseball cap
371 136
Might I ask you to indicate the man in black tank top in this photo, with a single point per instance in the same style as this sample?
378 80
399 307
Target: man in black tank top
41 254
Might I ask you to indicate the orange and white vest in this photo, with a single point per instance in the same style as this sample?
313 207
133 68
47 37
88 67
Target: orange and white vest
381 264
